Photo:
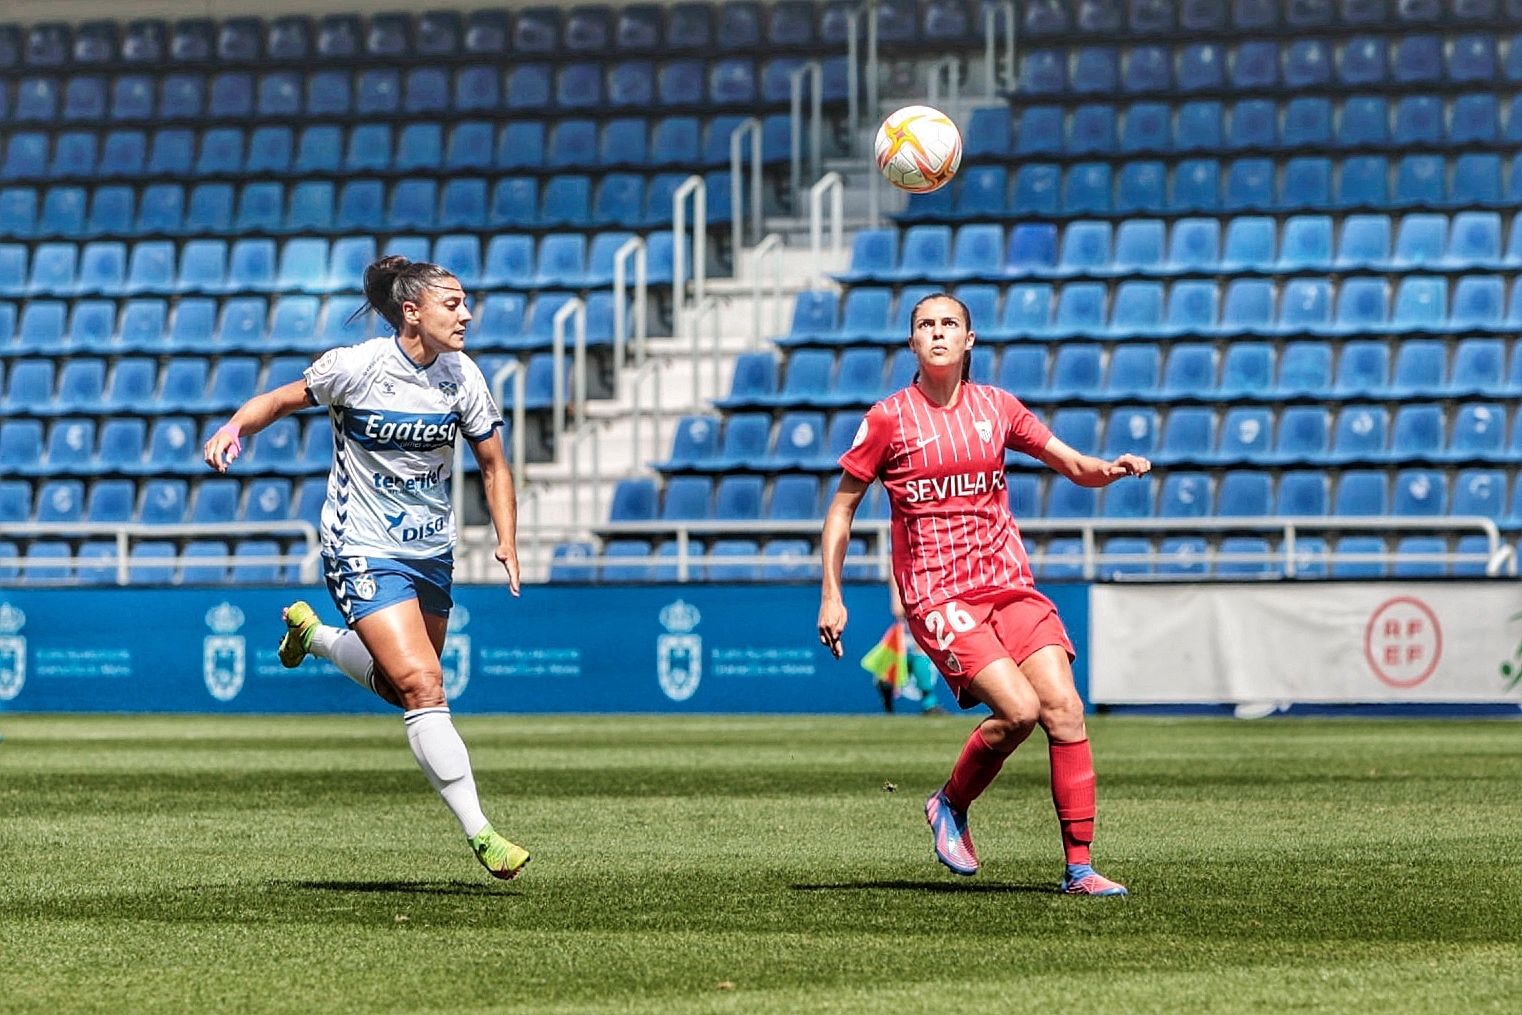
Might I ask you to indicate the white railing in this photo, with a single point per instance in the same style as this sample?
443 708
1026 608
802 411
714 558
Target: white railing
950 68
512 370
861 68
998 67
750 127
834 185
815 75
706 311
633 248
768 253
1498 558
694 186
124 535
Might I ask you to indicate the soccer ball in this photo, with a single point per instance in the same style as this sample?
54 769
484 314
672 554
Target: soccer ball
919 149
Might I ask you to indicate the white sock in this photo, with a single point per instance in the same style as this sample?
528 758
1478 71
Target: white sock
343 649
442 756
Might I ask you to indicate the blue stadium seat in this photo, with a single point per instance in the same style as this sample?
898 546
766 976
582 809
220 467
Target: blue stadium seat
1420 493
1420 369
21 445
1194 243
1362 60
1086 189
1307 123
1417 433
1247 370
1244 436
163 501
1141 189
1196 186
1363 370
1131 429
1096 71
1417 59
1085 248
81 385
1249 307
1419 121
1478 367
1477 304
1138 246
1363 181
1480 492
1302 493
111 500
1043 72
1080 310
1478 433
1305 369
1303 435
1307 64
1250 244
1188 437
1035 189
1306 244
1041 132
1243 494
1147 128
738 498
1137 309
1076 371
1305 306
1254 66
626 560
1307 184
1253 125
1421 304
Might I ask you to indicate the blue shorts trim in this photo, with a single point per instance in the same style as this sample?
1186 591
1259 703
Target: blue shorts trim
361 585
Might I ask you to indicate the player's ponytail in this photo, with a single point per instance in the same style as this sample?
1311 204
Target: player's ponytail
393 280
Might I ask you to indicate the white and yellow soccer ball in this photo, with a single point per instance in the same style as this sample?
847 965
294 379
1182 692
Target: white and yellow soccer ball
919 149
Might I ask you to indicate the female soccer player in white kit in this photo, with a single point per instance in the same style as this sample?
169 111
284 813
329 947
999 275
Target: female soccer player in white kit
397 405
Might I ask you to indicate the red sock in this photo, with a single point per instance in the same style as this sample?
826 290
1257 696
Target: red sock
1073 794
975 769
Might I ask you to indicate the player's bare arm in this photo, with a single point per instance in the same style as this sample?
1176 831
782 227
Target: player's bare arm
257 413
501 502
1088 470
832 547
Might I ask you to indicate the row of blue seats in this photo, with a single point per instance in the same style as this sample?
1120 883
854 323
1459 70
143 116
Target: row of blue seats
161 501
584 30
114 268
1131 18
1256 65
1360 306
1366 493
1352 122
625 200
1252 245
1150 187
1081 372
150 562
420 92
505 321
1357 433
1055 559
421 148
127 445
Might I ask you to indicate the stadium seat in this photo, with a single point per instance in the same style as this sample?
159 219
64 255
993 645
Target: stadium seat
1302 494
1245 436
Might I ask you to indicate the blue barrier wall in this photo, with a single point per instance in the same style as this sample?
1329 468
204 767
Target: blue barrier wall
660 648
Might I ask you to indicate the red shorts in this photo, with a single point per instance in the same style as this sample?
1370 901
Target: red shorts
963 637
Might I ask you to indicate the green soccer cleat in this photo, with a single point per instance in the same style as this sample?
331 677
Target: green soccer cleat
300 623
503 859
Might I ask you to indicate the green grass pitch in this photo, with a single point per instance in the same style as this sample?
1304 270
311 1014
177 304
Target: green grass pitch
753 865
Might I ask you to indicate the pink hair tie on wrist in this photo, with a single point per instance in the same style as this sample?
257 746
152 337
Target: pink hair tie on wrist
234 449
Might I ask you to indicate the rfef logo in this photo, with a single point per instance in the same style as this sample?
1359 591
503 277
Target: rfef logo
1403 642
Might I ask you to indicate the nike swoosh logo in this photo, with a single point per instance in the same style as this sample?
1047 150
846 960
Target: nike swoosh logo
927 440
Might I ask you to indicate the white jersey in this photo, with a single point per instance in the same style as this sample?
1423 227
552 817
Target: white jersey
394 430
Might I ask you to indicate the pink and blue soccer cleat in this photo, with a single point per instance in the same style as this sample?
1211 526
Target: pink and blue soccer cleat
1081 879
953 843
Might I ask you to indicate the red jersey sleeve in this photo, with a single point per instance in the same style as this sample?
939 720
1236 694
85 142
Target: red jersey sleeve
869 449
1025 433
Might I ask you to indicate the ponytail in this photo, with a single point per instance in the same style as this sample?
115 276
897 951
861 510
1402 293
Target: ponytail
393 280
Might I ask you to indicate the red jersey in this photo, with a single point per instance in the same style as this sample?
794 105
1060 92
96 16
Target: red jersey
953 533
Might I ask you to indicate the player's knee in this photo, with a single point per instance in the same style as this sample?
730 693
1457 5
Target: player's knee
1064 718
419 686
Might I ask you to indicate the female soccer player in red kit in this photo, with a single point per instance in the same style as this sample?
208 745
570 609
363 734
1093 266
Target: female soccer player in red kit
938 447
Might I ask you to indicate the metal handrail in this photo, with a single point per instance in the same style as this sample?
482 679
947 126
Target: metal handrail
998 71
634 247
769 249
815 74
951 67
707 310
750 126
854 68
695 186
123 533
513 369
577 308
833 184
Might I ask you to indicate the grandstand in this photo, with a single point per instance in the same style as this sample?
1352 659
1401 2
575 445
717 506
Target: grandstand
1268 243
